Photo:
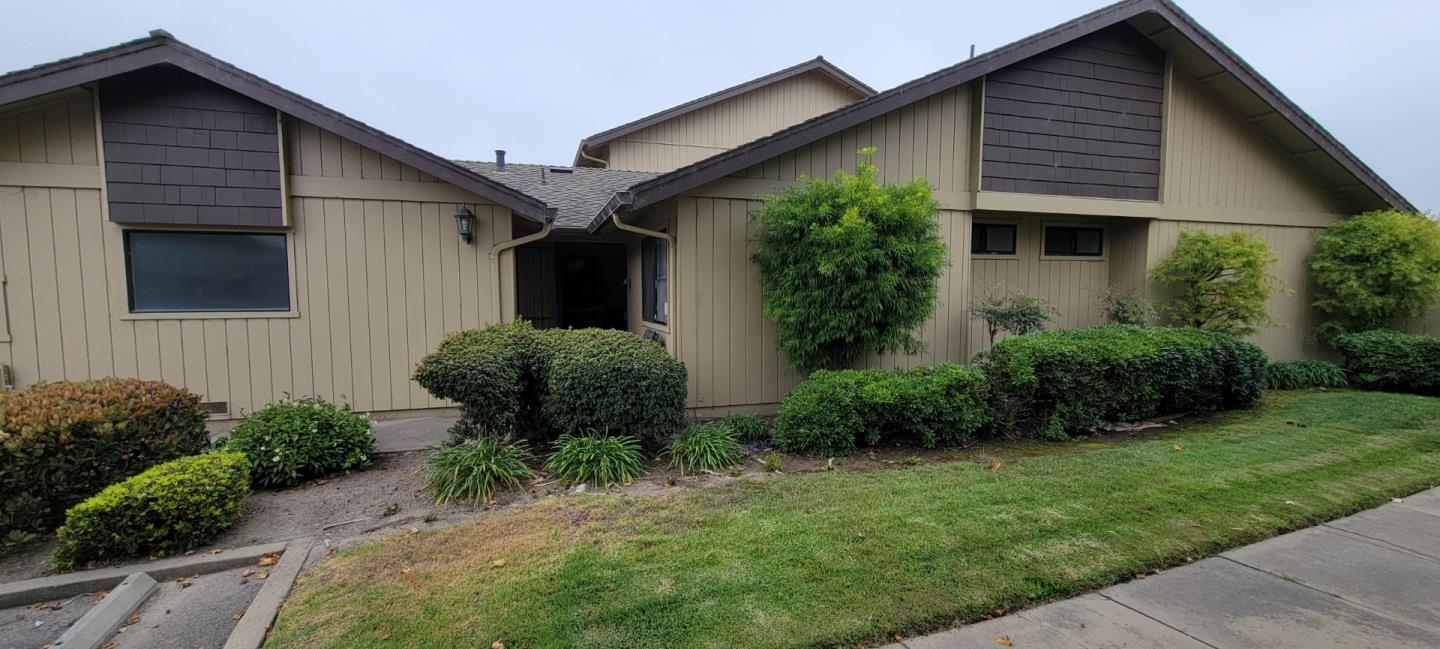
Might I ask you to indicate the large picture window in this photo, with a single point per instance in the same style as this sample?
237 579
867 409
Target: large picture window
654 280
1066 241
992 239
206 271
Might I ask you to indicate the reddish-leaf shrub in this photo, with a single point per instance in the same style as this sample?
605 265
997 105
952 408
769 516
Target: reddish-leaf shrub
61 443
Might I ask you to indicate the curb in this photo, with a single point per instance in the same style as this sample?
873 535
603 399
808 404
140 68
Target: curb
250 631
30 591
95 627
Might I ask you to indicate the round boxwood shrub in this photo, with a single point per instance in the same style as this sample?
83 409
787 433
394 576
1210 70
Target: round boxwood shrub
61 443
613 381
835 410
496 374
290 441
168 508
1391 360
513 380
1059 383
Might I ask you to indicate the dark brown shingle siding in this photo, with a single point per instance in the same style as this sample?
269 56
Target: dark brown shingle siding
1080 120
182 150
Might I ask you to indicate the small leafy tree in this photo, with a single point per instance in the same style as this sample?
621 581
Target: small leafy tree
848 266
1224 281
1376 267
1125 307
1014 312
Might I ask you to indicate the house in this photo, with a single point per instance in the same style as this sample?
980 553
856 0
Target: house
166 215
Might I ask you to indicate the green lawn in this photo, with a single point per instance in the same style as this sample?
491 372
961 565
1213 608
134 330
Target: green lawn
840 559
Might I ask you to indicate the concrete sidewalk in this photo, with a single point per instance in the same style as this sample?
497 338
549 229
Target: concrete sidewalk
1370 580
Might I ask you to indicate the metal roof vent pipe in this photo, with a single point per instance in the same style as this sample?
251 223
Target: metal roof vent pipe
499 159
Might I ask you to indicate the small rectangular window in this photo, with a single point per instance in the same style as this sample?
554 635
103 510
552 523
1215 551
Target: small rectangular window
654 280
992 239
206 271
1064 241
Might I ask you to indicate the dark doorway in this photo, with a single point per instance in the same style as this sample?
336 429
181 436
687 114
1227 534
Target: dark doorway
573 285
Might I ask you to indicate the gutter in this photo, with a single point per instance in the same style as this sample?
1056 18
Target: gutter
501 247
673 321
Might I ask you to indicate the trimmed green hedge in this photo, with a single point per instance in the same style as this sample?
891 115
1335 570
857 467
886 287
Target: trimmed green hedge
61 443
1058 383
513 379
833 411
1391 360
291 441
169 508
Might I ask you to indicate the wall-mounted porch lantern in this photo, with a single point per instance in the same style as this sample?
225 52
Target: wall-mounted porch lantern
465 223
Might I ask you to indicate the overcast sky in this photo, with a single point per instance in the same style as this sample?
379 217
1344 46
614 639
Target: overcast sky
464 78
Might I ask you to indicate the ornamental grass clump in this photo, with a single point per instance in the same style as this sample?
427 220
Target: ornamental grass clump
746 427
473 470
1299 375
705 447
597 460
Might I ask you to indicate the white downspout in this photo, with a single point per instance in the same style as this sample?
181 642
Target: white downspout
674 320
605 164
495 258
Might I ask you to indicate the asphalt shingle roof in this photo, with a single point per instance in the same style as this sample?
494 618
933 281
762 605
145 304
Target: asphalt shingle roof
577 193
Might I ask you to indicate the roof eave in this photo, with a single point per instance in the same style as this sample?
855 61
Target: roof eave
160 49
728 162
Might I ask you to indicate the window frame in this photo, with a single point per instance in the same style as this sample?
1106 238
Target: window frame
122 298
1015 241
1104 241
651 301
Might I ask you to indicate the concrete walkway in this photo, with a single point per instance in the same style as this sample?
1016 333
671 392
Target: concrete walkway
412 433
1370 580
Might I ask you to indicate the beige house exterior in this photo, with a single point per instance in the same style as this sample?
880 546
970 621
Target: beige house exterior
1111 135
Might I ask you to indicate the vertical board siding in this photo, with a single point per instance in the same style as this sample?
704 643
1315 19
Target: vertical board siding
60 133
730 348
699 134
1296 318
927 139
1067 284
378 283
1214 158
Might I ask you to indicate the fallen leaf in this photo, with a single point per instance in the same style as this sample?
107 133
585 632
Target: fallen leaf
189 552
995 465
134 619
1005 640
1396 500
321 482
268 560
1177 447
414 530
498 644
262 574
498 563
239 613
216 551
1292 503
247 573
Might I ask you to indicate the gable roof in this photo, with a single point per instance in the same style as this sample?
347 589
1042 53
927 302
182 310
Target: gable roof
1161 20
575 192
160 48
817 64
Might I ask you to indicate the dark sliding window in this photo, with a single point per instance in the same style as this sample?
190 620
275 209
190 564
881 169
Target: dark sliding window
992 239
654 280
1064 241
206 271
